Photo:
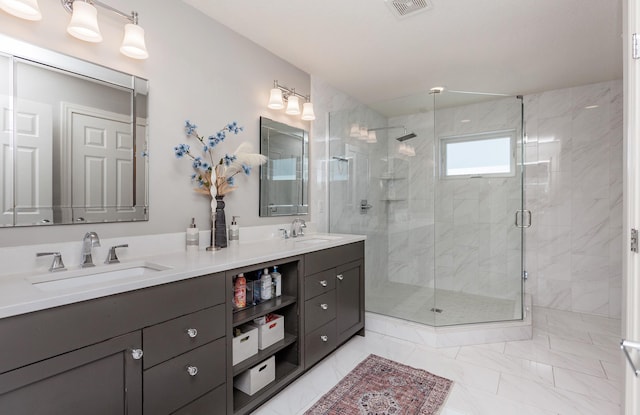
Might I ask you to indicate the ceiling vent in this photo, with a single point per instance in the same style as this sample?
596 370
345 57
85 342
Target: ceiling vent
406 8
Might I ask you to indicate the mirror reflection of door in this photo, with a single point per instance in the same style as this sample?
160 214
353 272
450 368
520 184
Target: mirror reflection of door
32 161
102 172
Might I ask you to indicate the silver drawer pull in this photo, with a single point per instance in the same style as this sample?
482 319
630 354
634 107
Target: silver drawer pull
136 354
192 333
192 370
340 277
324 338
323 283
324 306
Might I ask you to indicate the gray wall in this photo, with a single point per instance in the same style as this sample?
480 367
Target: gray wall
198 70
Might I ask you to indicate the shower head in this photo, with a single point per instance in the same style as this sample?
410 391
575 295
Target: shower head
408 136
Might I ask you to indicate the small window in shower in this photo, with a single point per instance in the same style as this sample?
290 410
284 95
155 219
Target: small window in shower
478 155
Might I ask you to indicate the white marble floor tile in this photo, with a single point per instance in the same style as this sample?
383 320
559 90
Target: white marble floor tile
504 363
553 399
590 386
591 351
575 372
543 354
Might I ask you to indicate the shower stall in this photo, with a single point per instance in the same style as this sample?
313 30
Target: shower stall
440 196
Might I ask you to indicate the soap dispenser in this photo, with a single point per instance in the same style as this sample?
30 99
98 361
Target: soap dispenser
234 231
193 237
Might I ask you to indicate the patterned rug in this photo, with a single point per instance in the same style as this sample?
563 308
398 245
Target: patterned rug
378 386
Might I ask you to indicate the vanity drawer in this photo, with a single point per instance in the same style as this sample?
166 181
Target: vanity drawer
213 403
320 343
332 257
166 340
319 310
319 283
169 386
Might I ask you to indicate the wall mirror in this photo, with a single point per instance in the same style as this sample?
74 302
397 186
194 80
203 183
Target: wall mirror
284 178
73 140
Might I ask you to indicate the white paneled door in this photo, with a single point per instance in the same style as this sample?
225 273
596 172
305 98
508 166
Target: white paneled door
102 174
29 192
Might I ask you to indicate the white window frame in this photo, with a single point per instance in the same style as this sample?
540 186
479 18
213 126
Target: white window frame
477 137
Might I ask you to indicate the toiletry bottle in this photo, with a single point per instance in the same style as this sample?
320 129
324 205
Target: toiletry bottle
257 288
265 290
240 292
193 237
276 278
234 231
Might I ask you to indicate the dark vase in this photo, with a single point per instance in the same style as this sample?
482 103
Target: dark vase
220 225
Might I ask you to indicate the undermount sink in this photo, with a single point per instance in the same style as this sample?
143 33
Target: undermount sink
83 277
312 240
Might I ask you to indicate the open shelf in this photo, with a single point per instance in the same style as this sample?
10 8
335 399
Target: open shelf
247 314
264 354
284 372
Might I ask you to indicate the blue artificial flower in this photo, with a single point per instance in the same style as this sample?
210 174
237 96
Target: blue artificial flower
247 169
205 166
181 150
205 148
228 159
144 153
231 181
213 141
221 135
197 162
189 127
194 176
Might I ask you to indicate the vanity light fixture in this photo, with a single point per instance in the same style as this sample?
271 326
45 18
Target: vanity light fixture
84 26
279 94
24 9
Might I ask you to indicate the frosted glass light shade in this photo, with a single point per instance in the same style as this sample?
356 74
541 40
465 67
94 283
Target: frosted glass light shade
364 133
275 99
84 22
371 138
307 112
133 44
355 130
24 9
293 106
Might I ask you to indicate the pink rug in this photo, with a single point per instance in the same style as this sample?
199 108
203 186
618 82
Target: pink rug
378 386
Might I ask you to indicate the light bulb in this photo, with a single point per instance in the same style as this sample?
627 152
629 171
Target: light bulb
24 9
293 106
307 112
275 99
84 22
133 44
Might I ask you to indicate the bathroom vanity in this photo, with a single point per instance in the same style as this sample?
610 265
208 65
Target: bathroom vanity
165 347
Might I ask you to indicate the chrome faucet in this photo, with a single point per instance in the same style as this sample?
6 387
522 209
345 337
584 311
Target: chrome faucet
297 227
89 241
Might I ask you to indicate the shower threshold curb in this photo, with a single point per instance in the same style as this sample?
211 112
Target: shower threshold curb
450 336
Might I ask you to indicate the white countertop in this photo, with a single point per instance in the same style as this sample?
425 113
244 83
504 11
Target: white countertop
18 295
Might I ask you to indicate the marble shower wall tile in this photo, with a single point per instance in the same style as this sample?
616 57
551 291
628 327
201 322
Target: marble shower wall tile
577 199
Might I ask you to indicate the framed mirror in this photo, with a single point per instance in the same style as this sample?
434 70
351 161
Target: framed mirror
284 179
73 140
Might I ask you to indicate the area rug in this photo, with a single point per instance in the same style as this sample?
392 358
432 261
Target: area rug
378 386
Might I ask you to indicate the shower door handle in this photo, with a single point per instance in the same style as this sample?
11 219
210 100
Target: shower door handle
364 206
519 215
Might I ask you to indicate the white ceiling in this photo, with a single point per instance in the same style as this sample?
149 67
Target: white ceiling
501 46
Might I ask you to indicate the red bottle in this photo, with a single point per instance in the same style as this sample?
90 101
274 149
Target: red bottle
240 292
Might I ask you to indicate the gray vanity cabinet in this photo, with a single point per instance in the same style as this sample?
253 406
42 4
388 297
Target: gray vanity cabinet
99 379
334 299
128 353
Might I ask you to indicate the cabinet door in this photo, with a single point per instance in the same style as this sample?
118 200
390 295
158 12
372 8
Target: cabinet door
350 299
102 379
